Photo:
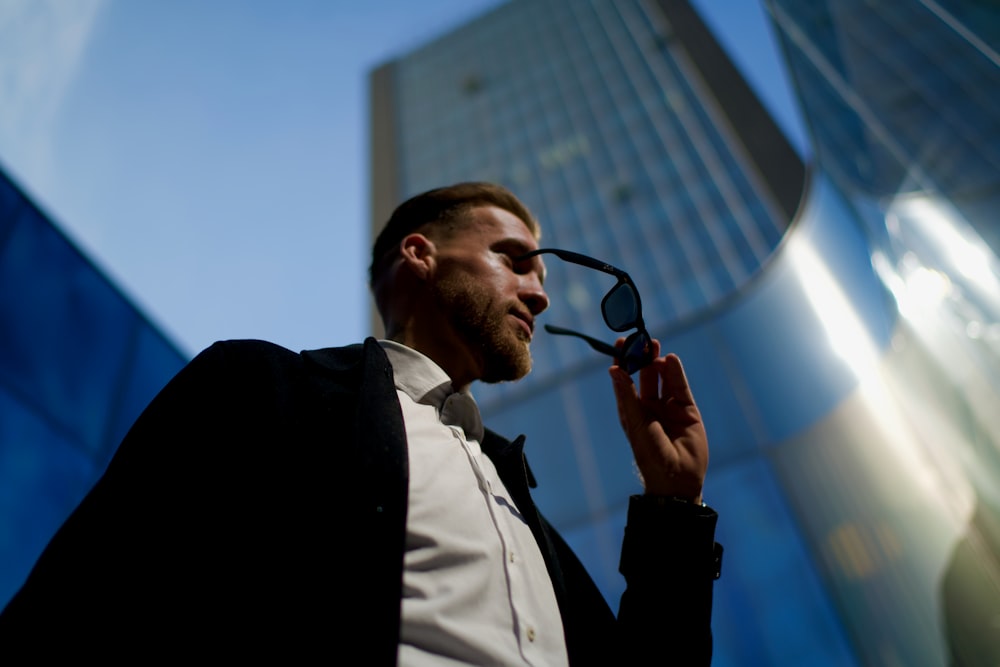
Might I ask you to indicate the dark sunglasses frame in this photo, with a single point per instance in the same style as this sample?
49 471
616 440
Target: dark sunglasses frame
637 352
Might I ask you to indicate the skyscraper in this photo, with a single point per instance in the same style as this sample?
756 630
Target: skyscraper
588 112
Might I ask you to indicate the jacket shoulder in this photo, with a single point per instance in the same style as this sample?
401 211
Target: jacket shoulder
255 351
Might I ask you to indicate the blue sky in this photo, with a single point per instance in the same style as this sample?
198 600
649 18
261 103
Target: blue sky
211 157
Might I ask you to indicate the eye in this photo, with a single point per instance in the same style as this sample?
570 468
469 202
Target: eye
520 266
508 255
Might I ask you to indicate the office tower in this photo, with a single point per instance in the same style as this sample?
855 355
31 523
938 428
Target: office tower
584 110
631 135
78 362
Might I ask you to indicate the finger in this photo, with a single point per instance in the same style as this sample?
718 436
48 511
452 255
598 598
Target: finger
625 395
675 383
649 379
619 342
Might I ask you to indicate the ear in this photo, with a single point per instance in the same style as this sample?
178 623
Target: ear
418 253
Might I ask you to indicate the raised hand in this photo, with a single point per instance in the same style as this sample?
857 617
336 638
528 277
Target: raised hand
663 426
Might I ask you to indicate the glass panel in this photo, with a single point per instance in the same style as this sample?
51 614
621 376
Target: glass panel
10 203
63 328
43 476
770 604
598 546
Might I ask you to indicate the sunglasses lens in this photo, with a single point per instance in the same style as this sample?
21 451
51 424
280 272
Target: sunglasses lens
621 307
637 352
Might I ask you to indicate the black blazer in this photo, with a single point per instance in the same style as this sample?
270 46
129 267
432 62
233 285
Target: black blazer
258 507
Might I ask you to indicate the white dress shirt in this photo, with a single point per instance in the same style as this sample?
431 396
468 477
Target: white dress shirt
475 587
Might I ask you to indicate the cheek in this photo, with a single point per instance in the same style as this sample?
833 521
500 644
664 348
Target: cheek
494 280
488 284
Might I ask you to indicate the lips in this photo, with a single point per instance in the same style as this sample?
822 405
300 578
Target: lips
527 322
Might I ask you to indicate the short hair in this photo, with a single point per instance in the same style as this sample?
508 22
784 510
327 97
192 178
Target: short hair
443 206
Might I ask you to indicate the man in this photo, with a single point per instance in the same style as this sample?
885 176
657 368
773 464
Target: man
348 503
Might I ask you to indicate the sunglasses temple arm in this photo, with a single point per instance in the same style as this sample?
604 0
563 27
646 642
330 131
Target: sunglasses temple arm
576 258
598 345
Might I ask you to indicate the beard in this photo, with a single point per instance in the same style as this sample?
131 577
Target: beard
482 323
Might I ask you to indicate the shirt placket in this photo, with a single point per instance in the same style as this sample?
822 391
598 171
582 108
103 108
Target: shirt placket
492 489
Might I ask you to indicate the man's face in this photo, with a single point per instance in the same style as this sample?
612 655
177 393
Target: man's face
490 302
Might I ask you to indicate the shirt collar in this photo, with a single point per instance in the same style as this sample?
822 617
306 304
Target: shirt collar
420 378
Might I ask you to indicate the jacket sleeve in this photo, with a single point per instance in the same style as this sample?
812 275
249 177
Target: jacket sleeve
96 568
670 561
179 529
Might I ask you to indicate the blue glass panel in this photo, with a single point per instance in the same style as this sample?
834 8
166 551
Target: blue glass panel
63 328
10 202
734 424
598 546
43 475
770 606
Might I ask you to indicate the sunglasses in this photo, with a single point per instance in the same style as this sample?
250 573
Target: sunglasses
621 308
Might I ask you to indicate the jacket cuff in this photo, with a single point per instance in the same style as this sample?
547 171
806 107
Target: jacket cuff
664 536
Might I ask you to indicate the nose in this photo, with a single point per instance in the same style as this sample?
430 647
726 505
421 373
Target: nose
532 294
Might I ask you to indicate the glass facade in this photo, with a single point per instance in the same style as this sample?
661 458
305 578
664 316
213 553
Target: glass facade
901 97
840 332
78 363
902 104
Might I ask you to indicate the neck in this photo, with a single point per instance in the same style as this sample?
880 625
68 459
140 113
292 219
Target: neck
451 355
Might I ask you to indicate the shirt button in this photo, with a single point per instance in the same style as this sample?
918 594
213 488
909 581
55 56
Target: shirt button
531 634
511 556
